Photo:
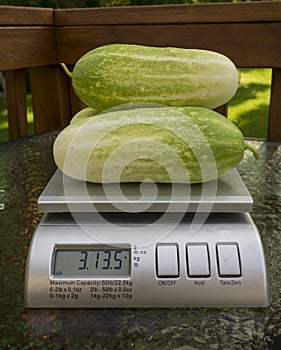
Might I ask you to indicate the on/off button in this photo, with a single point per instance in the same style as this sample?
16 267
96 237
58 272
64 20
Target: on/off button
167 261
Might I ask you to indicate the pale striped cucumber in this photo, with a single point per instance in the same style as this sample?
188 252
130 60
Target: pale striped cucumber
161 144
83 114
121 73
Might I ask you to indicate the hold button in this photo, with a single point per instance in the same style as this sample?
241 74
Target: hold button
198 260
167 260
228 260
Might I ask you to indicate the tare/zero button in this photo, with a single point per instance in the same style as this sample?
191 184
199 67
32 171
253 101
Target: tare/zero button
167 260
228 260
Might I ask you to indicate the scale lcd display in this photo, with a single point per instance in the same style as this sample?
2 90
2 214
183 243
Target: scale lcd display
102 263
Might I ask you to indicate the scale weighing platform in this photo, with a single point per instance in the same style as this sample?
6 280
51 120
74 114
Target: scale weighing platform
145 245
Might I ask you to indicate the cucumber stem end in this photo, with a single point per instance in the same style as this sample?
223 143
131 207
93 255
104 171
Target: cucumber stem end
67 71
253 150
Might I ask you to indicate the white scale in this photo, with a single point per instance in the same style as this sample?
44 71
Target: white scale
146 245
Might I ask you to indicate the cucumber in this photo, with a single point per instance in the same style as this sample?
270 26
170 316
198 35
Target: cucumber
83 114
160 144
116 74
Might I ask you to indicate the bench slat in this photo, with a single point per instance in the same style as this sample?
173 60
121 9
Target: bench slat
27 47
274 127
16 103
48 98
19 15
248 45
190 13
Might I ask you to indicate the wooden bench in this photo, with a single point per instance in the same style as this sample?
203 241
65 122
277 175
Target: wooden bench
34 41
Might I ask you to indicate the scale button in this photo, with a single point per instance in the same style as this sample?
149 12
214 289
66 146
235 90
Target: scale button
167 260
228 260
197 260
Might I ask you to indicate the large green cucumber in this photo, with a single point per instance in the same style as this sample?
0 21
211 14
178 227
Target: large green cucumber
121 73
161 144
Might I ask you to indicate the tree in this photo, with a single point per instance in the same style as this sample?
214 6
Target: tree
103 3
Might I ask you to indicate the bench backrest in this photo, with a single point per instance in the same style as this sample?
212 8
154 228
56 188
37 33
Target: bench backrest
36 40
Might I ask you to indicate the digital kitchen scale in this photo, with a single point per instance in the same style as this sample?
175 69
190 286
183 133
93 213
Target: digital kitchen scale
145 245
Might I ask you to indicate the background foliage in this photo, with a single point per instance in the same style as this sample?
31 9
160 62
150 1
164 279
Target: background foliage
104 3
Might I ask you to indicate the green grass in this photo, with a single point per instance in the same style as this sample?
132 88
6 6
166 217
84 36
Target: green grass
249 107
4 133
